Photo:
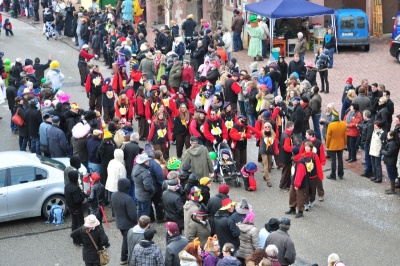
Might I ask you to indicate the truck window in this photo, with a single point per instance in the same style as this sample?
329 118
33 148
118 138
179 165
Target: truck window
360 22
347 23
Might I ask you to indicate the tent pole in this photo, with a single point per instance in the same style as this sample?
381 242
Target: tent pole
271 36
334 30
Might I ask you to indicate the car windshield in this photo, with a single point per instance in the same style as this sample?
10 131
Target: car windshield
347 23
50 162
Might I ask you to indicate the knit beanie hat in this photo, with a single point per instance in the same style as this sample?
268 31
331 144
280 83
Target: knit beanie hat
224 189
195 194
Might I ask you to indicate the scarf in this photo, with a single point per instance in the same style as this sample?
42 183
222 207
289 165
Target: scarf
304 105
350 117
328 38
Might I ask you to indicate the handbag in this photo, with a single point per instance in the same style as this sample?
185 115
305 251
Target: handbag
103 254
17 119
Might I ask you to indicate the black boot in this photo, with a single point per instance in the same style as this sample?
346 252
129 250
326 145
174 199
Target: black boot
378 180
391 190
299 214
292 210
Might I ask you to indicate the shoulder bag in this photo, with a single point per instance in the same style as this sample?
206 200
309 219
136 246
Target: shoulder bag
103 254
17 119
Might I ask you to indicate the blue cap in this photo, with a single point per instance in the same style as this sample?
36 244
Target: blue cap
296 99
55 119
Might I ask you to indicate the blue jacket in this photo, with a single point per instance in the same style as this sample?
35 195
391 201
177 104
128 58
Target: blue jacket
43 129
156 174
180 50
58 144
92 146
266 80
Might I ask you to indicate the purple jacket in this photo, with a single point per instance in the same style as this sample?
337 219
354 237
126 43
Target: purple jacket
210 259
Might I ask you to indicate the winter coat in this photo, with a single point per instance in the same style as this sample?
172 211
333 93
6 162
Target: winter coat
92 146
187 259
352 129
287 251
55 77
187 75
297 118
134 236
377 142
105 152
199 159
229 261
40 68
311 76
144 188
175 245
116 170
238 217
173 207
384 116
228 231
146 253
252 101
315 104
188 27
237 24
363 102
248 240
33 119
209 258
131 150
23 130
148 68
198 229
58 145
306 120
301 47
71 119
89 252
175 75
189 208
123 206
297 67
74 196
215 203
390 152
180 50
205 192
367 128
336 138
212 75
43 128
157 175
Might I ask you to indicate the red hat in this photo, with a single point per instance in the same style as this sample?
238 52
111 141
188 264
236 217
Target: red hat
154 88
173 228
349 80
227 204
263 87
224 189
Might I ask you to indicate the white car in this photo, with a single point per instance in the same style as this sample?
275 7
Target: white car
30 185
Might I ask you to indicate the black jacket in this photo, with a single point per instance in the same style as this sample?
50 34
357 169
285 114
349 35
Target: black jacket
311 76
228 231
144 187
161 41
297 67
123 206
74 196
213 76
131 150
215 203
71 119
11 93
40 68
390 152
383 115
188 27
297 118
367 128
173 207
198 54
23 130
230 95
89 251
33 119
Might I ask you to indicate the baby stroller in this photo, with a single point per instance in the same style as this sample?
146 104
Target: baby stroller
226 166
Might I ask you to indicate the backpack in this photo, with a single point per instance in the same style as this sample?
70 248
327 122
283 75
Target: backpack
56 215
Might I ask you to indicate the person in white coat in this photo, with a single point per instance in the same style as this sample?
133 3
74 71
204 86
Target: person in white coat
55 76
227 39
116 170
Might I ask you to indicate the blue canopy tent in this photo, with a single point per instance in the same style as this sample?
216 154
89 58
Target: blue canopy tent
277 9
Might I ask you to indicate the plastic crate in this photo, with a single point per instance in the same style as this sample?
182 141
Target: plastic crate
319 32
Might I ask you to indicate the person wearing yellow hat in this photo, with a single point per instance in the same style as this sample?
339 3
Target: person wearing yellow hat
336 141
55 76
205 186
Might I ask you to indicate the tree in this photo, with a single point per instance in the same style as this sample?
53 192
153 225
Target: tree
216 12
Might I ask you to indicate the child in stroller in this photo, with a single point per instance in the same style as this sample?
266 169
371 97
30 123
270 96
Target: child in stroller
226 166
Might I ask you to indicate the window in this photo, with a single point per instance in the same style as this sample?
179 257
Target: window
40 174
21 175
3 177
231 2
360 22
347 23
239 3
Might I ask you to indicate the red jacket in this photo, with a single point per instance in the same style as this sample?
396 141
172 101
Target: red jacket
193 129
136 75
321 152
188 75
151 106
152 131
298 179
129 108
175 108
139 110
86 55
223 54
352 129
118 83
236 136
207 131
196 88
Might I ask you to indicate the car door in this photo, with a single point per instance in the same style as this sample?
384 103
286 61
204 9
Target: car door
25 191
362 30
3 195
347 30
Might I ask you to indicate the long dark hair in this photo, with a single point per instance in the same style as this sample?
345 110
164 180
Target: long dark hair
257 256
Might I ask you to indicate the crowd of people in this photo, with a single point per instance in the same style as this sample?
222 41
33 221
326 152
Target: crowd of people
186 89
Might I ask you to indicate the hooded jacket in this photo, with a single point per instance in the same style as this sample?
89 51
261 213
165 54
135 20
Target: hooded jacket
74 196
187 259
56 77
123 206
248 240
116 170
199 159
144 188
134 236
200 229
228 231
175 245
146 253
189 208
33 119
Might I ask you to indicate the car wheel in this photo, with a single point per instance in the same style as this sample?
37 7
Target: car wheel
398 57
53 200
366 48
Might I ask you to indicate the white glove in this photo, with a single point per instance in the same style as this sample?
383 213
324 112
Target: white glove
215 141
149 121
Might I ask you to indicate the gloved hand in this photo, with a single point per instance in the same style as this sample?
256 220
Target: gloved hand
88 95
149 121
96 56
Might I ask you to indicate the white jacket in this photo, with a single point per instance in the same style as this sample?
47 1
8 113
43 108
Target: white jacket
376 143
116 170
56 78
227 39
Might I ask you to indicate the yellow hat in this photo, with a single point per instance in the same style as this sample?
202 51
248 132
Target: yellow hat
204 181
54 64
107 134
335 113
74 105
